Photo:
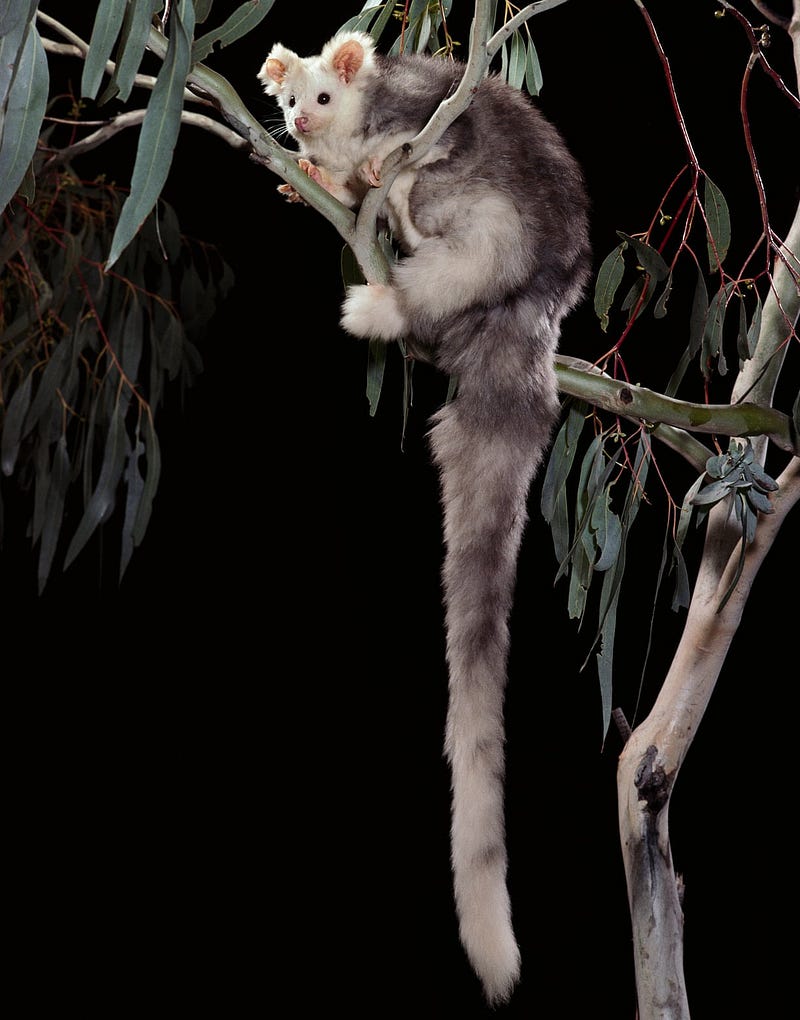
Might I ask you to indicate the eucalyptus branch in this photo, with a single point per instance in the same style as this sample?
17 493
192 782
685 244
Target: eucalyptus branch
673 95
641 404
132 118
571 376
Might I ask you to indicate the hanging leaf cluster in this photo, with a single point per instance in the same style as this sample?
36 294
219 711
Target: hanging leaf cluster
87 355
593 540
737 476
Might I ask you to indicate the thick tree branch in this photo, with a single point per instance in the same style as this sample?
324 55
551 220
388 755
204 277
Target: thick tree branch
655 751
641 404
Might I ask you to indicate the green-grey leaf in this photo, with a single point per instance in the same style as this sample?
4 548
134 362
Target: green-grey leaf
202 9
562 455
685 516
608 532
650 260
14 13
579 580
135 487
54 510
53 377
698 314
151 479
25 106
132 341
605 657
715 321
533 71
660 309
517 60
13 28
16 411
376 366
159 132
244 19
609 277
682 593
758 501
741 335
132 44
754 332
102 500
107 23
711 493
718 224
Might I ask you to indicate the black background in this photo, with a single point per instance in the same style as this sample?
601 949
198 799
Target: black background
228 769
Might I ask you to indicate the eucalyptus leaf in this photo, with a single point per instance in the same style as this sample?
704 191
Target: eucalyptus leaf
605 657
107 24
159 132
14 13
132 44
52 379
202 9
517 61
698 314
609 277
660 309
12 40
715 322
13 421
580 578
608 532
638 297
25 108
742 347
754 330
718 222
562 455
533 71
376 368
650 260
103 497
134 484
151 480
682 593
54 510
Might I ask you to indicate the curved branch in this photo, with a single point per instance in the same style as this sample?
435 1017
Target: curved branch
132 118
641 404
652 757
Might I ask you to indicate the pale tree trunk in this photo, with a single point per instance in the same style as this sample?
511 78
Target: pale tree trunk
654 752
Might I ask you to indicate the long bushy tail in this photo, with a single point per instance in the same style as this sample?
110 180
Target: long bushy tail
486 459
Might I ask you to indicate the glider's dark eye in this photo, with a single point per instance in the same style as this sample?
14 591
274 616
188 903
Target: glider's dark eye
323 98
291 100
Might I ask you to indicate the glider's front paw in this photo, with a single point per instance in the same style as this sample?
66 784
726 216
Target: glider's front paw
310 170
373 312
